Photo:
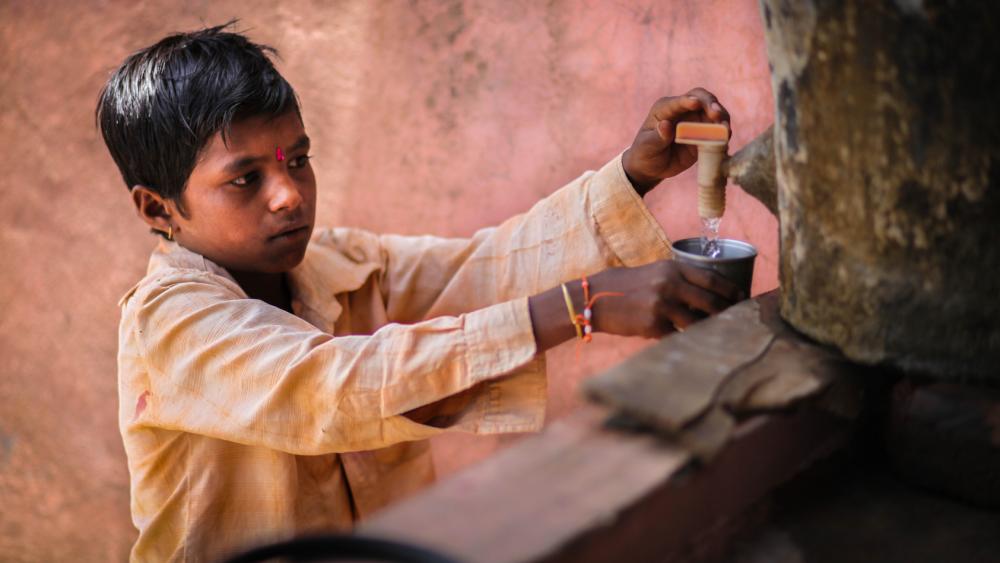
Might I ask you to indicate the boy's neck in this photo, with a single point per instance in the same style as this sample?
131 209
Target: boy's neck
272 289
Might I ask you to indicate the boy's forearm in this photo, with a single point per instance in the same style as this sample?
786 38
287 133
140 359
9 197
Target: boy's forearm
551 325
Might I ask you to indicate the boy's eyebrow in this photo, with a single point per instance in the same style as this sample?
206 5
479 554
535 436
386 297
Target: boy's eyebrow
238 165
301 143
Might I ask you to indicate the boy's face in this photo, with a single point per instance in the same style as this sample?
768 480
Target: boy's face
251 204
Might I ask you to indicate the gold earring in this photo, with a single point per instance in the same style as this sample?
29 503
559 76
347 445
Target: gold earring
170 232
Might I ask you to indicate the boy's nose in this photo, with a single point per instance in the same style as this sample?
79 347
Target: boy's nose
285 196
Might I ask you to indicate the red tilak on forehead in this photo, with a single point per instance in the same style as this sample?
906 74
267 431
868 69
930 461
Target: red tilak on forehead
278 154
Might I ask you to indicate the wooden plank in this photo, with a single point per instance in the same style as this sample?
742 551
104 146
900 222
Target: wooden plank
533 498
583 492
675 381
692 516
691 385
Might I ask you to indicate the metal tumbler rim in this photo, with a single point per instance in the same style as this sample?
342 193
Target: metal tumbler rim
690 248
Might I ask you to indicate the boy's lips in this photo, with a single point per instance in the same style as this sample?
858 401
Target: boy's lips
291 232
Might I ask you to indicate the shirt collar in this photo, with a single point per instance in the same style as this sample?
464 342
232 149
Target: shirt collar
324 273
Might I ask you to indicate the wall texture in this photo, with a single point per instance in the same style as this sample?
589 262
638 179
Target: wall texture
427 117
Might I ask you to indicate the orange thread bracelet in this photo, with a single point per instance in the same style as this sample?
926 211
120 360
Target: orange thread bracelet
588 314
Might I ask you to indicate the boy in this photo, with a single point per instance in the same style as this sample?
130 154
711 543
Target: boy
273 380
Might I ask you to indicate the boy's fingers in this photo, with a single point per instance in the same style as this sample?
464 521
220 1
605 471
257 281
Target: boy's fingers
712 281
710 104
669 109
679 316
697 105
701 299
666 131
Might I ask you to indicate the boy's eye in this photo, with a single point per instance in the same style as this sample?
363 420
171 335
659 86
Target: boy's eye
299 162
245 180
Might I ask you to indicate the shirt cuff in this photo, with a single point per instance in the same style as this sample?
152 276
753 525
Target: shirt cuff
623 220
501 340
498 339
509 376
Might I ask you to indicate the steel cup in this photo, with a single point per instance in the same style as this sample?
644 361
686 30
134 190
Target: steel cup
735 263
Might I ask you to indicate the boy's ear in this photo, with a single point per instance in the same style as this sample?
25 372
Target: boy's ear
153 208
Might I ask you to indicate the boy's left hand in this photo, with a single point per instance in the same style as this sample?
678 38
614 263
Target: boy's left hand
653 155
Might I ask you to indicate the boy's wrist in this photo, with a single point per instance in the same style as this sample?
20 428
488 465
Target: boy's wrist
550 317
640 183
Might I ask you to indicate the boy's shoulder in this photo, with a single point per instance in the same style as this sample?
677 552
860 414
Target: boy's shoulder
172 263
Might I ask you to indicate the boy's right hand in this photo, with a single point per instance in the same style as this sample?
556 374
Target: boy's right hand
658 298
655 299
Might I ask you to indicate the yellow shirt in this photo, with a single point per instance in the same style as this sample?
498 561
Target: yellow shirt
245 424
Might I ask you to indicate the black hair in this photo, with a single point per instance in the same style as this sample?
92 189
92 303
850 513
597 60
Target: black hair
165 102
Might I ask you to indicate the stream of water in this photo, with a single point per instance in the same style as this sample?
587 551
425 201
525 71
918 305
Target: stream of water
710 237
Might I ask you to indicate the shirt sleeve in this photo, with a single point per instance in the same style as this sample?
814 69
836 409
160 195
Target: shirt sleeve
221 365
595 222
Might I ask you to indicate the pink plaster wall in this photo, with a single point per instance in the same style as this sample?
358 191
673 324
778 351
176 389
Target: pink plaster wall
427 117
